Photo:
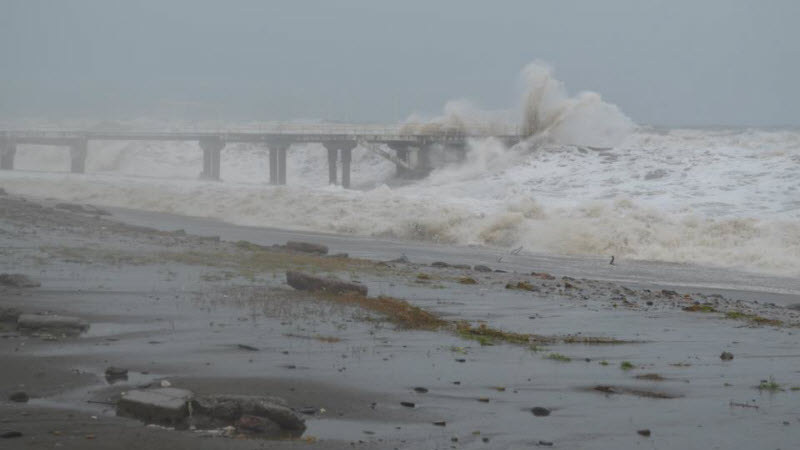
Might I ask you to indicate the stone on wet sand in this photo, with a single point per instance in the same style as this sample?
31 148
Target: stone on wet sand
52 324
17 280
307 247
539 411
257 425
305 282
726 356
114 374
542 276
163 406
9 315
231 408
19 397
482 268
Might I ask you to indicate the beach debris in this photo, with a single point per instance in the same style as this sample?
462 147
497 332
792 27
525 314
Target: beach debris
516 251
403 259
51 323
481 268
421 390
743 405
268 417
249 348
542 276
305 282
162 406
256 425
612 260
467 280
307 247
545 444
114 374
522 286
230 408
408 404
650 377
539 411
607 389
726 356
645 432
440 264
10 434
18 280
440 423
19 397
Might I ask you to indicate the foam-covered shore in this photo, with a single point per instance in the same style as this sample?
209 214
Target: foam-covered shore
586 181
727 198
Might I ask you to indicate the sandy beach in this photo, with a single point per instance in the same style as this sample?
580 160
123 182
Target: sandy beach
526 351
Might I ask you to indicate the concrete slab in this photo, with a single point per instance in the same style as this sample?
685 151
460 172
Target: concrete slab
164 406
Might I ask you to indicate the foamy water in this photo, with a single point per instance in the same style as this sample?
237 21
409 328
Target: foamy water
715 197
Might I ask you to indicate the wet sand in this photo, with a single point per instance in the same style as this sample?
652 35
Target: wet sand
176 306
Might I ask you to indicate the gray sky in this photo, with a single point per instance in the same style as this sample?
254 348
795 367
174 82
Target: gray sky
701 62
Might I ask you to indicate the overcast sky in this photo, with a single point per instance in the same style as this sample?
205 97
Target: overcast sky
675 62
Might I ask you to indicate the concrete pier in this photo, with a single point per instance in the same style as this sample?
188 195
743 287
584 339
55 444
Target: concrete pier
412 151
77 155
7 152
212 151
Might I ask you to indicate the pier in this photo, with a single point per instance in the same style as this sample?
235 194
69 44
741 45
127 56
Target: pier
410 152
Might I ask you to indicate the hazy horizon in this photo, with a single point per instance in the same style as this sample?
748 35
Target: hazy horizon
721 63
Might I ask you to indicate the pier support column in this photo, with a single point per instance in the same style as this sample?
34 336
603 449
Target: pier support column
334 148
424 158
212 155
277 162
403 152
273 165
282 150
7 152
77 156
331 163
347 156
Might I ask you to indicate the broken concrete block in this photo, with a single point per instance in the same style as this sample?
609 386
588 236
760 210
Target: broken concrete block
307 247
17 280
305 282
53 324
163 406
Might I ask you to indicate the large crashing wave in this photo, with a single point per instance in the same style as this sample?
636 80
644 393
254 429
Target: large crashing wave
717 197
